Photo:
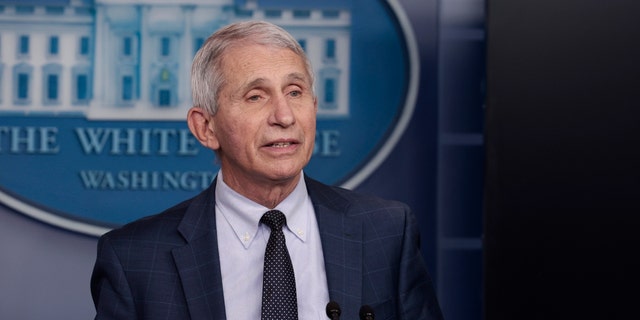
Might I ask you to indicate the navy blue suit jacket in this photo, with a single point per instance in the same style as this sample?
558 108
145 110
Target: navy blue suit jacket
167 266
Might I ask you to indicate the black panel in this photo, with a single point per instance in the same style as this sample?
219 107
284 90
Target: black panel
562 205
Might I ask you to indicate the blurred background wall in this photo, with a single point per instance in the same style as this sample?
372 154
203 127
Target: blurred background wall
436 167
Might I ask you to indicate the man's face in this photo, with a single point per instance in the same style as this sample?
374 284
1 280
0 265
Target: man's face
266 121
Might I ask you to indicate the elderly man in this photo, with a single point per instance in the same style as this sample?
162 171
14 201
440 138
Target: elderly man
264 241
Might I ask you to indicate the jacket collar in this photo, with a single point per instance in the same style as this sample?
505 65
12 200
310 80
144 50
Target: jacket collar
199 266
198 261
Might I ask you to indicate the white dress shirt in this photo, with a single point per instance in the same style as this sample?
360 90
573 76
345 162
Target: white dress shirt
242 241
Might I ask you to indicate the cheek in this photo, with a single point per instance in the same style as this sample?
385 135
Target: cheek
225 135
237 134
309 120
305 112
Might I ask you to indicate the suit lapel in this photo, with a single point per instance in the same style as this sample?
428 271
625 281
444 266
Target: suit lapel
198 261
341 237
199 266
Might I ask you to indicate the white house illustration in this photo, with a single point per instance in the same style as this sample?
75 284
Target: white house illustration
130 59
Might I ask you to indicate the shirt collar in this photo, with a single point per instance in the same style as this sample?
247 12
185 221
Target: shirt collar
243 215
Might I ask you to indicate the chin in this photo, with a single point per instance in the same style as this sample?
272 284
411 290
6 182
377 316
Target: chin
283 174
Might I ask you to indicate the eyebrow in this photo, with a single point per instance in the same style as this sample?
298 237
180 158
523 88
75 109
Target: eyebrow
294 76
297 76
253 83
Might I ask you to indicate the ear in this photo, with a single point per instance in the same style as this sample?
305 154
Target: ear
202 127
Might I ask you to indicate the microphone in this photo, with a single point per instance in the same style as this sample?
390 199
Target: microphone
333 310
366 313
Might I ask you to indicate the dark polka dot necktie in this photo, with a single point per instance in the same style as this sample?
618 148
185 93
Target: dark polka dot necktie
279 283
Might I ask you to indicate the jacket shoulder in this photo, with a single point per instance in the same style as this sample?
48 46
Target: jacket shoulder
157 226
345 200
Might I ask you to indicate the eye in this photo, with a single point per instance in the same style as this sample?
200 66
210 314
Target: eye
254 98
295 93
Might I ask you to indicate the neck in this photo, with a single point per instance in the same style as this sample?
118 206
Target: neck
266 193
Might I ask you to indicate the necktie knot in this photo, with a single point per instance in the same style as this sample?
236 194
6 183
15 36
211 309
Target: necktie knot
274 219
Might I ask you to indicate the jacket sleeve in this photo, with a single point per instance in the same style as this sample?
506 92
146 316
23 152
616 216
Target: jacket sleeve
109 287
417 297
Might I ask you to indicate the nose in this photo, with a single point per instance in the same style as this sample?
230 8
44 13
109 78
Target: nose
282 112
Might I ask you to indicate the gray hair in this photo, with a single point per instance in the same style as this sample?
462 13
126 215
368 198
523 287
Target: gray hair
207 77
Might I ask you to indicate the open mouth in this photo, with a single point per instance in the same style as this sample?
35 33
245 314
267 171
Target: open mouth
280 144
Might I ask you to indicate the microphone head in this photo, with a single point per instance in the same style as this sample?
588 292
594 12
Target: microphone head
333 309
366 313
